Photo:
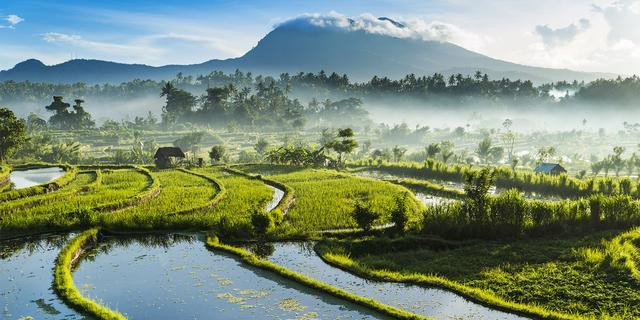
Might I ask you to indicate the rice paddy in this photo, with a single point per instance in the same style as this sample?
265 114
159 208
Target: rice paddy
579 273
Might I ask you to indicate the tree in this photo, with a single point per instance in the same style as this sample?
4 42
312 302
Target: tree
344 144
432 149
261 146
80 118
616 159
509 138
484 149
12 134
544 154
218 153
398 153
60 119
189 141
477 200
178 105
446 150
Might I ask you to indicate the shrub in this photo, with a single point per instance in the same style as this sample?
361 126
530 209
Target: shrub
364 216
262 222
400 214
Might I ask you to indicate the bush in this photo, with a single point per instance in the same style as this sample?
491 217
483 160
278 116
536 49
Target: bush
262 222
401 213
364 216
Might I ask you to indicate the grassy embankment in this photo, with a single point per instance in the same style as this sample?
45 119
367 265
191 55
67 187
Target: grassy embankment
255 261
63 280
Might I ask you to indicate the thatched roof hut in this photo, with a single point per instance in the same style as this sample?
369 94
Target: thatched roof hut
163 156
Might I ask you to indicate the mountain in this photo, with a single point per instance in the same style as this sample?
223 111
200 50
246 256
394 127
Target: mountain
297 46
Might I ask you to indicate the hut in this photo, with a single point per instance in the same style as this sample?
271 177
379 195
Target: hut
553 169
165 156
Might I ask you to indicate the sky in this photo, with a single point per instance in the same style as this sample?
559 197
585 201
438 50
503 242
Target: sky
598 35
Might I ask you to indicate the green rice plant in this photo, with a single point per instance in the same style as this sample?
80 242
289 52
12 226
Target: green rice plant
561 185
539 278
85 181
66 210
63 279
325 199
169 208
621 253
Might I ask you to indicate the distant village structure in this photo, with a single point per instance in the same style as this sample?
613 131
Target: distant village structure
552 169
165 157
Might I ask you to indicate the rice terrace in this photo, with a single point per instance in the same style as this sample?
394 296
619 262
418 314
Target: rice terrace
375 160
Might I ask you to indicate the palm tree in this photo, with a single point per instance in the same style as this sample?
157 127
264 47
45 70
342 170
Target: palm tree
398 153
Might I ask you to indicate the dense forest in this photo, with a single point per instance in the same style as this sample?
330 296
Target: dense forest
456 89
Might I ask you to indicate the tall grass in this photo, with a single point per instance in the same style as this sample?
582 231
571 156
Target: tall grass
561 185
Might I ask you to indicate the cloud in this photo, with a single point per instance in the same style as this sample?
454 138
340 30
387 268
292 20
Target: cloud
622 17
154 49
116 49
415 29
561 36
12 21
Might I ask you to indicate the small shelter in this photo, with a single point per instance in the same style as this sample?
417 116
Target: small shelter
165 156
553 169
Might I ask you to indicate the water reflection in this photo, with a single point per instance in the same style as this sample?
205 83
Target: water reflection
26 277
431 302
33 177
175 277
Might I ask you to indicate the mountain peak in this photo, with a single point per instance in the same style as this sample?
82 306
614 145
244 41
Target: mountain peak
30 64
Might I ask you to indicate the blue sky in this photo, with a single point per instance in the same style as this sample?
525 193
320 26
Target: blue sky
599 35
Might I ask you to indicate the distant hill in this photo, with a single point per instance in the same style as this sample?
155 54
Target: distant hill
298 46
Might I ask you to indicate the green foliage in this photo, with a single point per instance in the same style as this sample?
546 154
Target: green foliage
402 212
262 222
325 199
218 153
344 144
64 119
12 134
364 216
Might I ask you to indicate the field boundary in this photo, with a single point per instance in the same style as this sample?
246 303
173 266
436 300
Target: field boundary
219 195
251 259
150 192
63 278
479 296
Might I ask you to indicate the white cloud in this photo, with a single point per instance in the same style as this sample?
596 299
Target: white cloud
12 20
414 28
553 37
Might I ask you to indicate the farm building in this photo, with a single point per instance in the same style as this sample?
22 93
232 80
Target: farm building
553 169
165 156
